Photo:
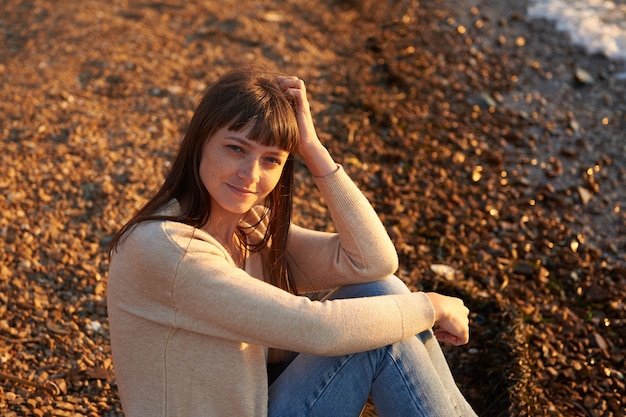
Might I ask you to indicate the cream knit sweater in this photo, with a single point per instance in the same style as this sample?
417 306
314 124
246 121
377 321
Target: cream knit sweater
190 331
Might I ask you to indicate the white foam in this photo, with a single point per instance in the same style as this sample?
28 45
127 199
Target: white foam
598 25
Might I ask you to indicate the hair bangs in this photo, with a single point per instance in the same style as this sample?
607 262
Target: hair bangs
272 118
275 130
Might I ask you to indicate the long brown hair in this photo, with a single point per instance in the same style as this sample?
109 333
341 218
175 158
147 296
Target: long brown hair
238 99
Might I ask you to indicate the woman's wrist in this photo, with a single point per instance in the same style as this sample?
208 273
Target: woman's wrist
318 161
434 301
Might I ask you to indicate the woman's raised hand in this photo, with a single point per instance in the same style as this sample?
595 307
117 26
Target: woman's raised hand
314 155
451 319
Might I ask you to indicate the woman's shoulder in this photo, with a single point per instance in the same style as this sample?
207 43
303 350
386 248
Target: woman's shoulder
165 233
168 243
159 234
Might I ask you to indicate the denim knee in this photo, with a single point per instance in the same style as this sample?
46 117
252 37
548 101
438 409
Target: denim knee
390 285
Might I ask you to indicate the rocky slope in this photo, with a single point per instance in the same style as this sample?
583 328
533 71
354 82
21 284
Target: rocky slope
492 148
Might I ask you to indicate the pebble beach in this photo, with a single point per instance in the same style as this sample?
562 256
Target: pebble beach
491 146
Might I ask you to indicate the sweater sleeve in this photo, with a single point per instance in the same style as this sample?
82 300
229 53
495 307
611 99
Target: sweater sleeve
193 286
360 251
228 303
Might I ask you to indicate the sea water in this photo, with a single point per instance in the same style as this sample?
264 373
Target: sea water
597 25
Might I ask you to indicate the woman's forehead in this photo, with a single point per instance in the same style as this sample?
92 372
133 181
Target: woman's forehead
243 137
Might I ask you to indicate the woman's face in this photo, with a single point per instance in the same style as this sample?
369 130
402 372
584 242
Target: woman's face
238 172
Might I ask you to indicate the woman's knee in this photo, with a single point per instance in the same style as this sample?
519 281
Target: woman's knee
390 285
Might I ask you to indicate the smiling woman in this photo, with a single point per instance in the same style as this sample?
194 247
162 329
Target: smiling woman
238 173
206 282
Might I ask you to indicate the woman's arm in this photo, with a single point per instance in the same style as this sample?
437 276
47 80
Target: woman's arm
450 313
361 250
175 276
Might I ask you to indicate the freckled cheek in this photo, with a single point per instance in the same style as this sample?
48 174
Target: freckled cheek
208 178
269 184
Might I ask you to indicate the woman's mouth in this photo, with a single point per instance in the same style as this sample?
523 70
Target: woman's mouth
240 190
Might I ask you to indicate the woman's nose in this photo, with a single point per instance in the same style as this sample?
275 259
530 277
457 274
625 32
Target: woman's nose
250 170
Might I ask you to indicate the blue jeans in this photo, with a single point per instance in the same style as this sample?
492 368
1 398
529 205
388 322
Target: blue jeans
407 378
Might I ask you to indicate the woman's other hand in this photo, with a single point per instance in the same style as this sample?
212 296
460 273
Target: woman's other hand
451 319
314 155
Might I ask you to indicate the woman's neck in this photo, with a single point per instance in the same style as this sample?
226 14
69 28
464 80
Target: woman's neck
226 234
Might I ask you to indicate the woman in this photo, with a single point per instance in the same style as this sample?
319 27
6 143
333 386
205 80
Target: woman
205 282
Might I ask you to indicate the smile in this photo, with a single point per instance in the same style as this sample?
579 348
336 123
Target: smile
239 190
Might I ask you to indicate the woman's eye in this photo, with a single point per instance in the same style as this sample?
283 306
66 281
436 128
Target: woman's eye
274 161
235 148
